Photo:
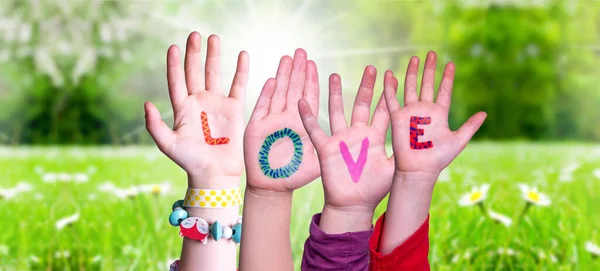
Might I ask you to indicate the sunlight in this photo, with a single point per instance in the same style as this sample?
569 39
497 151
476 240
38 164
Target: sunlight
268 35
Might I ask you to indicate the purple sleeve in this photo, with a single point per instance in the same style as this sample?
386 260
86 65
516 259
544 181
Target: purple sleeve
347 251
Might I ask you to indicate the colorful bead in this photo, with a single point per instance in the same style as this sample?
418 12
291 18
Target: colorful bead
176 204
216 230
227 233
177 216
237 233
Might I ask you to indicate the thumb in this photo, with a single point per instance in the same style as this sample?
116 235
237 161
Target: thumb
469 128
158 129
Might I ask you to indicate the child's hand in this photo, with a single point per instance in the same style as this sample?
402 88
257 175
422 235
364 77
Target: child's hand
356 171
421 138
211 156
278 153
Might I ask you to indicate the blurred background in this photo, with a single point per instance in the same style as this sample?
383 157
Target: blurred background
77 166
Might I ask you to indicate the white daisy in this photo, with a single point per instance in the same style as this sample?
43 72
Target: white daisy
505 220
65 177
565 177
155 189
592 248
8 193
130 250
121 193
506 251
62 223
62 254
455 258
23 187
81 177
596 173
96 259
38 196
477 195
532 195
566 173
34 259
3 249
92 196
50 177
468 255
92 170
107 187
550 256
130 192
39 169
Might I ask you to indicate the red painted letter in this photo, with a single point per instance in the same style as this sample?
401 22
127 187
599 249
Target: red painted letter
416 132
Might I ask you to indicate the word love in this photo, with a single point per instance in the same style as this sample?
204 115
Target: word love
355 168
415 132
207 137
290 168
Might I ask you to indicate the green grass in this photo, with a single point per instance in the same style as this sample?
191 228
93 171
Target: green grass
133 234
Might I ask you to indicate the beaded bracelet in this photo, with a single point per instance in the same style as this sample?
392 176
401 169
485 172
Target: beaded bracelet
198 229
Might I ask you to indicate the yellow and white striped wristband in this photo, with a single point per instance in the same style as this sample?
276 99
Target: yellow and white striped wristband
213 198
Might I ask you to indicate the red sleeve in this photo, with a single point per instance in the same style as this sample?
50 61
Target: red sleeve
411 255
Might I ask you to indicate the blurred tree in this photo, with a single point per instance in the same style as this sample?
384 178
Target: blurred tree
517 62
66 63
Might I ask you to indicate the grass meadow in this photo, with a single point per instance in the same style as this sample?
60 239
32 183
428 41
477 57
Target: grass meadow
104 208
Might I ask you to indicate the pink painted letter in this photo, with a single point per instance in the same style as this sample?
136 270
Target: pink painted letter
355 169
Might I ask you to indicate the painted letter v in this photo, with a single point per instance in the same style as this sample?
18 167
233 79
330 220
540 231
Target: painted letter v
355 168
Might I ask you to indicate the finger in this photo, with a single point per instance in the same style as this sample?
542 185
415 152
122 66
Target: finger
213 64
175 79
297 79
444 96
311 87
381 116
316 134
240 80
261 109
193 64
428 81
410 81
469 128
337 118
391 102
158 129
283 79
362 104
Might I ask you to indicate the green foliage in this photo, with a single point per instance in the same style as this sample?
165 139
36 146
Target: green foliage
533 68
517 64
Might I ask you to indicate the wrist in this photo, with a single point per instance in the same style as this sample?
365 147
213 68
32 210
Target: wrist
337 220
212 182
415 182
266 194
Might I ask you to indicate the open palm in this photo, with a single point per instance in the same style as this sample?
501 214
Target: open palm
276 110
349 180
198 103
432 145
